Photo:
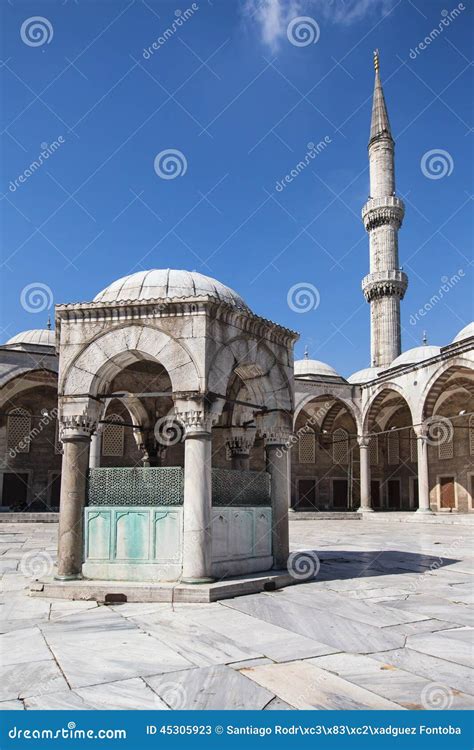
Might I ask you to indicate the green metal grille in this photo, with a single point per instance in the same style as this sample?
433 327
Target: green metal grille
162 485
234 487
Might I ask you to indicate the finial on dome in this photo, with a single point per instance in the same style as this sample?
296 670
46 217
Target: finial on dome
425 338
306 354
48 324
376 60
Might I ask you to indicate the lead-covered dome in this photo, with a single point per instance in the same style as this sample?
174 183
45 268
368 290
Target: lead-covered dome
308 368
464 333
36 336
365 375
165 283
415 355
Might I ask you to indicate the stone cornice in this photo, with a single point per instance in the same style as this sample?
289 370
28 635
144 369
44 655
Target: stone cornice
140 311
385 283
380 211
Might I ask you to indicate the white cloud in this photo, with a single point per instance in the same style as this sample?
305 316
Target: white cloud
273 16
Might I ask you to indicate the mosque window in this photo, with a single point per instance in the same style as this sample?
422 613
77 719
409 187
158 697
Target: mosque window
307 448
393 447
113 436
446 445
19 430
413 446
340 446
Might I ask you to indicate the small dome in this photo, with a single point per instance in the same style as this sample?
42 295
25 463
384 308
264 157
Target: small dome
363 376
166 283
415 355
306 368
37 336
464 333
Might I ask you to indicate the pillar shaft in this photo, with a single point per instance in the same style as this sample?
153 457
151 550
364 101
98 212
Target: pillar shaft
95 450
71 510
365 493
423 475
197 540
277 466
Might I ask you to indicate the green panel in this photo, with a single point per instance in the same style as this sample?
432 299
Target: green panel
98 527
132 535
235 487
162 485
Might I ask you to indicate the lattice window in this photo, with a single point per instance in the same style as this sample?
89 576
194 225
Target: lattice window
471 435
19 430
307 448
340 446
413 446
374 449
446 446
393 447
58 446
113 436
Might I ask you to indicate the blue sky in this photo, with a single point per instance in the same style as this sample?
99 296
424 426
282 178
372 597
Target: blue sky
241 102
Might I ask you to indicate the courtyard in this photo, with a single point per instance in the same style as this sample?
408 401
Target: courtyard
386 623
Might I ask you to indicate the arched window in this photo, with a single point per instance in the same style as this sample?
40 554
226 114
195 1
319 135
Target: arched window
19 430
446 442
113 436
393 447
374 449
471 435
307 448
340 446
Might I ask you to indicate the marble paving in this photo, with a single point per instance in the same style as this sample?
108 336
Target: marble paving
387 623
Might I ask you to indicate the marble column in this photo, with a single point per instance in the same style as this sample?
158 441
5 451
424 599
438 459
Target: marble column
423 470
76 437
365 493
278 467
197 531
95 449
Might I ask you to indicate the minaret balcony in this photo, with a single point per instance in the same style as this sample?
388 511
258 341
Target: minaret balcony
380 211
385 284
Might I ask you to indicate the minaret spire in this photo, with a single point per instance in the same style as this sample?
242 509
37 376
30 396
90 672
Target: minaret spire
382 215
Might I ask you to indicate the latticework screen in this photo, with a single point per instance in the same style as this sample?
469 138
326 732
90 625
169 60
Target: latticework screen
19 429
232 487
113 437
340 446
374 449
162 485
393 448
307 448
446 448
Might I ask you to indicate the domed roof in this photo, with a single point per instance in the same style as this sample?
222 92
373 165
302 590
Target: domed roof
311 367
415 355
41 336
464 333
165 283
363 376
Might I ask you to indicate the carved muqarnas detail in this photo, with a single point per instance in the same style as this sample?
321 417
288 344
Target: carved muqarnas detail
378 212
385 284
81 424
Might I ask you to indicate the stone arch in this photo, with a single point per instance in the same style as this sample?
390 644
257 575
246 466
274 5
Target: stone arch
108 354
257 367
323 393
16 382
376 403
430 396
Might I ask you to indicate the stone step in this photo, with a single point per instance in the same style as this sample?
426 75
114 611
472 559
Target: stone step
41 516
310 515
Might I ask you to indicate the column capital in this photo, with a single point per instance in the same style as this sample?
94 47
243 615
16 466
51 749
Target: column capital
363 441
78 418
240 441
422 431
195 414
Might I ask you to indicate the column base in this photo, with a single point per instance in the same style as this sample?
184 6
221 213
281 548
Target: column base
76 577
365 510
197 580
424 510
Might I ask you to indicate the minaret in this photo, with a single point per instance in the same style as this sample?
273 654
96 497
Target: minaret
382 215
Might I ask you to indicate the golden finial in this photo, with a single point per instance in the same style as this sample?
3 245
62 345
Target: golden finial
376 60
